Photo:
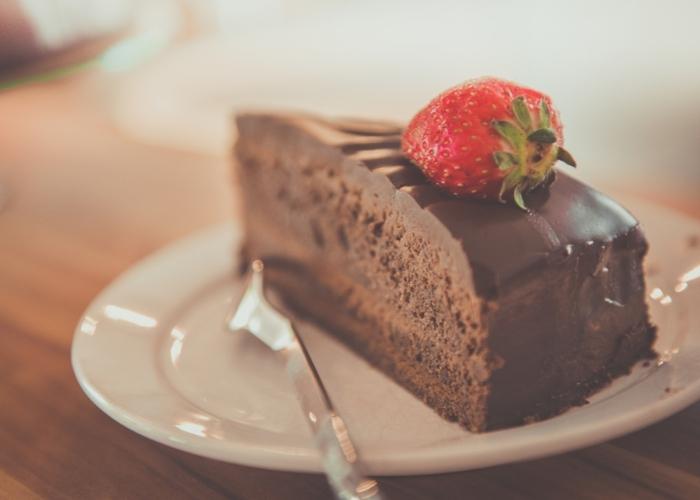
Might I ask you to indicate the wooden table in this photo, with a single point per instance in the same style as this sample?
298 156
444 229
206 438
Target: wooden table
83 203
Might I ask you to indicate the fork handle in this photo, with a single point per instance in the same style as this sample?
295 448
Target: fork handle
339 457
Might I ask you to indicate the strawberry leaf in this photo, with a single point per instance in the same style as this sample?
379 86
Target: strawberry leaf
522 114
505 160
509 182
518 197
565 156
544 114
543 136
510 132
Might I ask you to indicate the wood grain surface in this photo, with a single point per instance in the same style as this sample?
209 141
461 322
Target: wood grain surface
81 203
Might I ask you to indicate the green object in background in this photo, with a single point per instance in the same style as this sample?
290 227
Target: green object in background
124 55
48 75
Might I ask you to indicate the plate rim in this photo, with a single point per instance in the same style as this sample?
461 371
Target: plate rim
425 460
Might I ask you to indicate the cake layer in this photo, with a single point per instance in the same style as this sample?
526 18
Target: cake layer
491 315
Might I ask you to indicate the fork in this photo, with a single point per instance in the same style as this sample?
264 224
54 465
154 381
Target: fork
342 465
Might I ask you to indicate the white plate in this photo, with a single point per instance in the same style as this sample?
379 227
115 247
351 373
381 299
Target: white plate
151 351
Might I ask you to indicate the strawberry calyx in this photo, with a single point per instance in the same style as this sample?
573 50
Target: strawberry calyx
533 150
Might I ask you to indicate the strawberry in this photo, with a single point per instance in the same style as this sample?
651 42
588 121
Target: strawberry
487 138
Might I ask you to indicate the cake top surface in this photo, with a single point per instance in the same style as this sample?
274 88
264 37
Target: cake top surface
500 240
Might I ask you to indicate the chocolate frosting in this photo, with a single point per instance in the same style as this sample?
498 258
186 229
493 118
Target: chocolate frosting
503 240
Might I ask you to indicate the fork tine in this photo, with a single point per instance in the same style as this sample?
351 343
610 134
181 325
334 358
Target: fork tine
257 316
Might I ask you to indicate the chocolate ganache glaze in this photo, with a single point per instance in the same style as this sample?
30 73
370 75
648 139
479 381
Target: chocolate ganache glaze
557 303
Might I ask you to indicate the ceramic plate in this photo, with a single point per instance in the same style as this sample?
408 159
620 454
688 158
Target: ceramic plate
152 352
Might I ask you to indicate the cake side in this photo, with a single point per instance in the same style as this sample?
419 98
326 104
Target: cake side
575 316
346 249
568 328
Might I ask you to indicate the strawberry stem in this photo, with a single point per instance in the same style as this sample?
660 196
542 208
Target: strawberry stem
533 153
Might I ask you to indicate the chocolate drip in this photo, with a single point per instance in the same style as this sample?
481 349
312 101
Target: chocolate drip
388 161
354 147
402 176
425 195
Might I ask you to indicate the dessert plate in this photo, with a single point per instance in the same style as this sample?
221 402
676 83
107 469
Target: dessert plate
153 353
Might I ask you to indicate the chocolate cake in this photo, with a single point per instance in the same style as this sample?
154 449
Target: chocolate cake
491 315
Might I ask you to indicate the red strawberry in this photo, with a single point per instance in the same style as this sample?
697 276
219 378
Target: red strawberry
487 138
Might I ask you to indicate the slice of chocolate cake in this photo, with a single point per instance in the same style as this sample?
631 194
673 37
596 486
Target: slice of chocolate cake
492 315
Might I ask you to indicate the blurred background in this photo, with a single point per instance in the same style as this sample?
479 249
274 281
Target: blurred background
170 73
115 134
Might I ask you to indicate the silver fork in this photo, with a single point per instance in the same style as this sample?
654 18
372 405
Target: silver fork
339 456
